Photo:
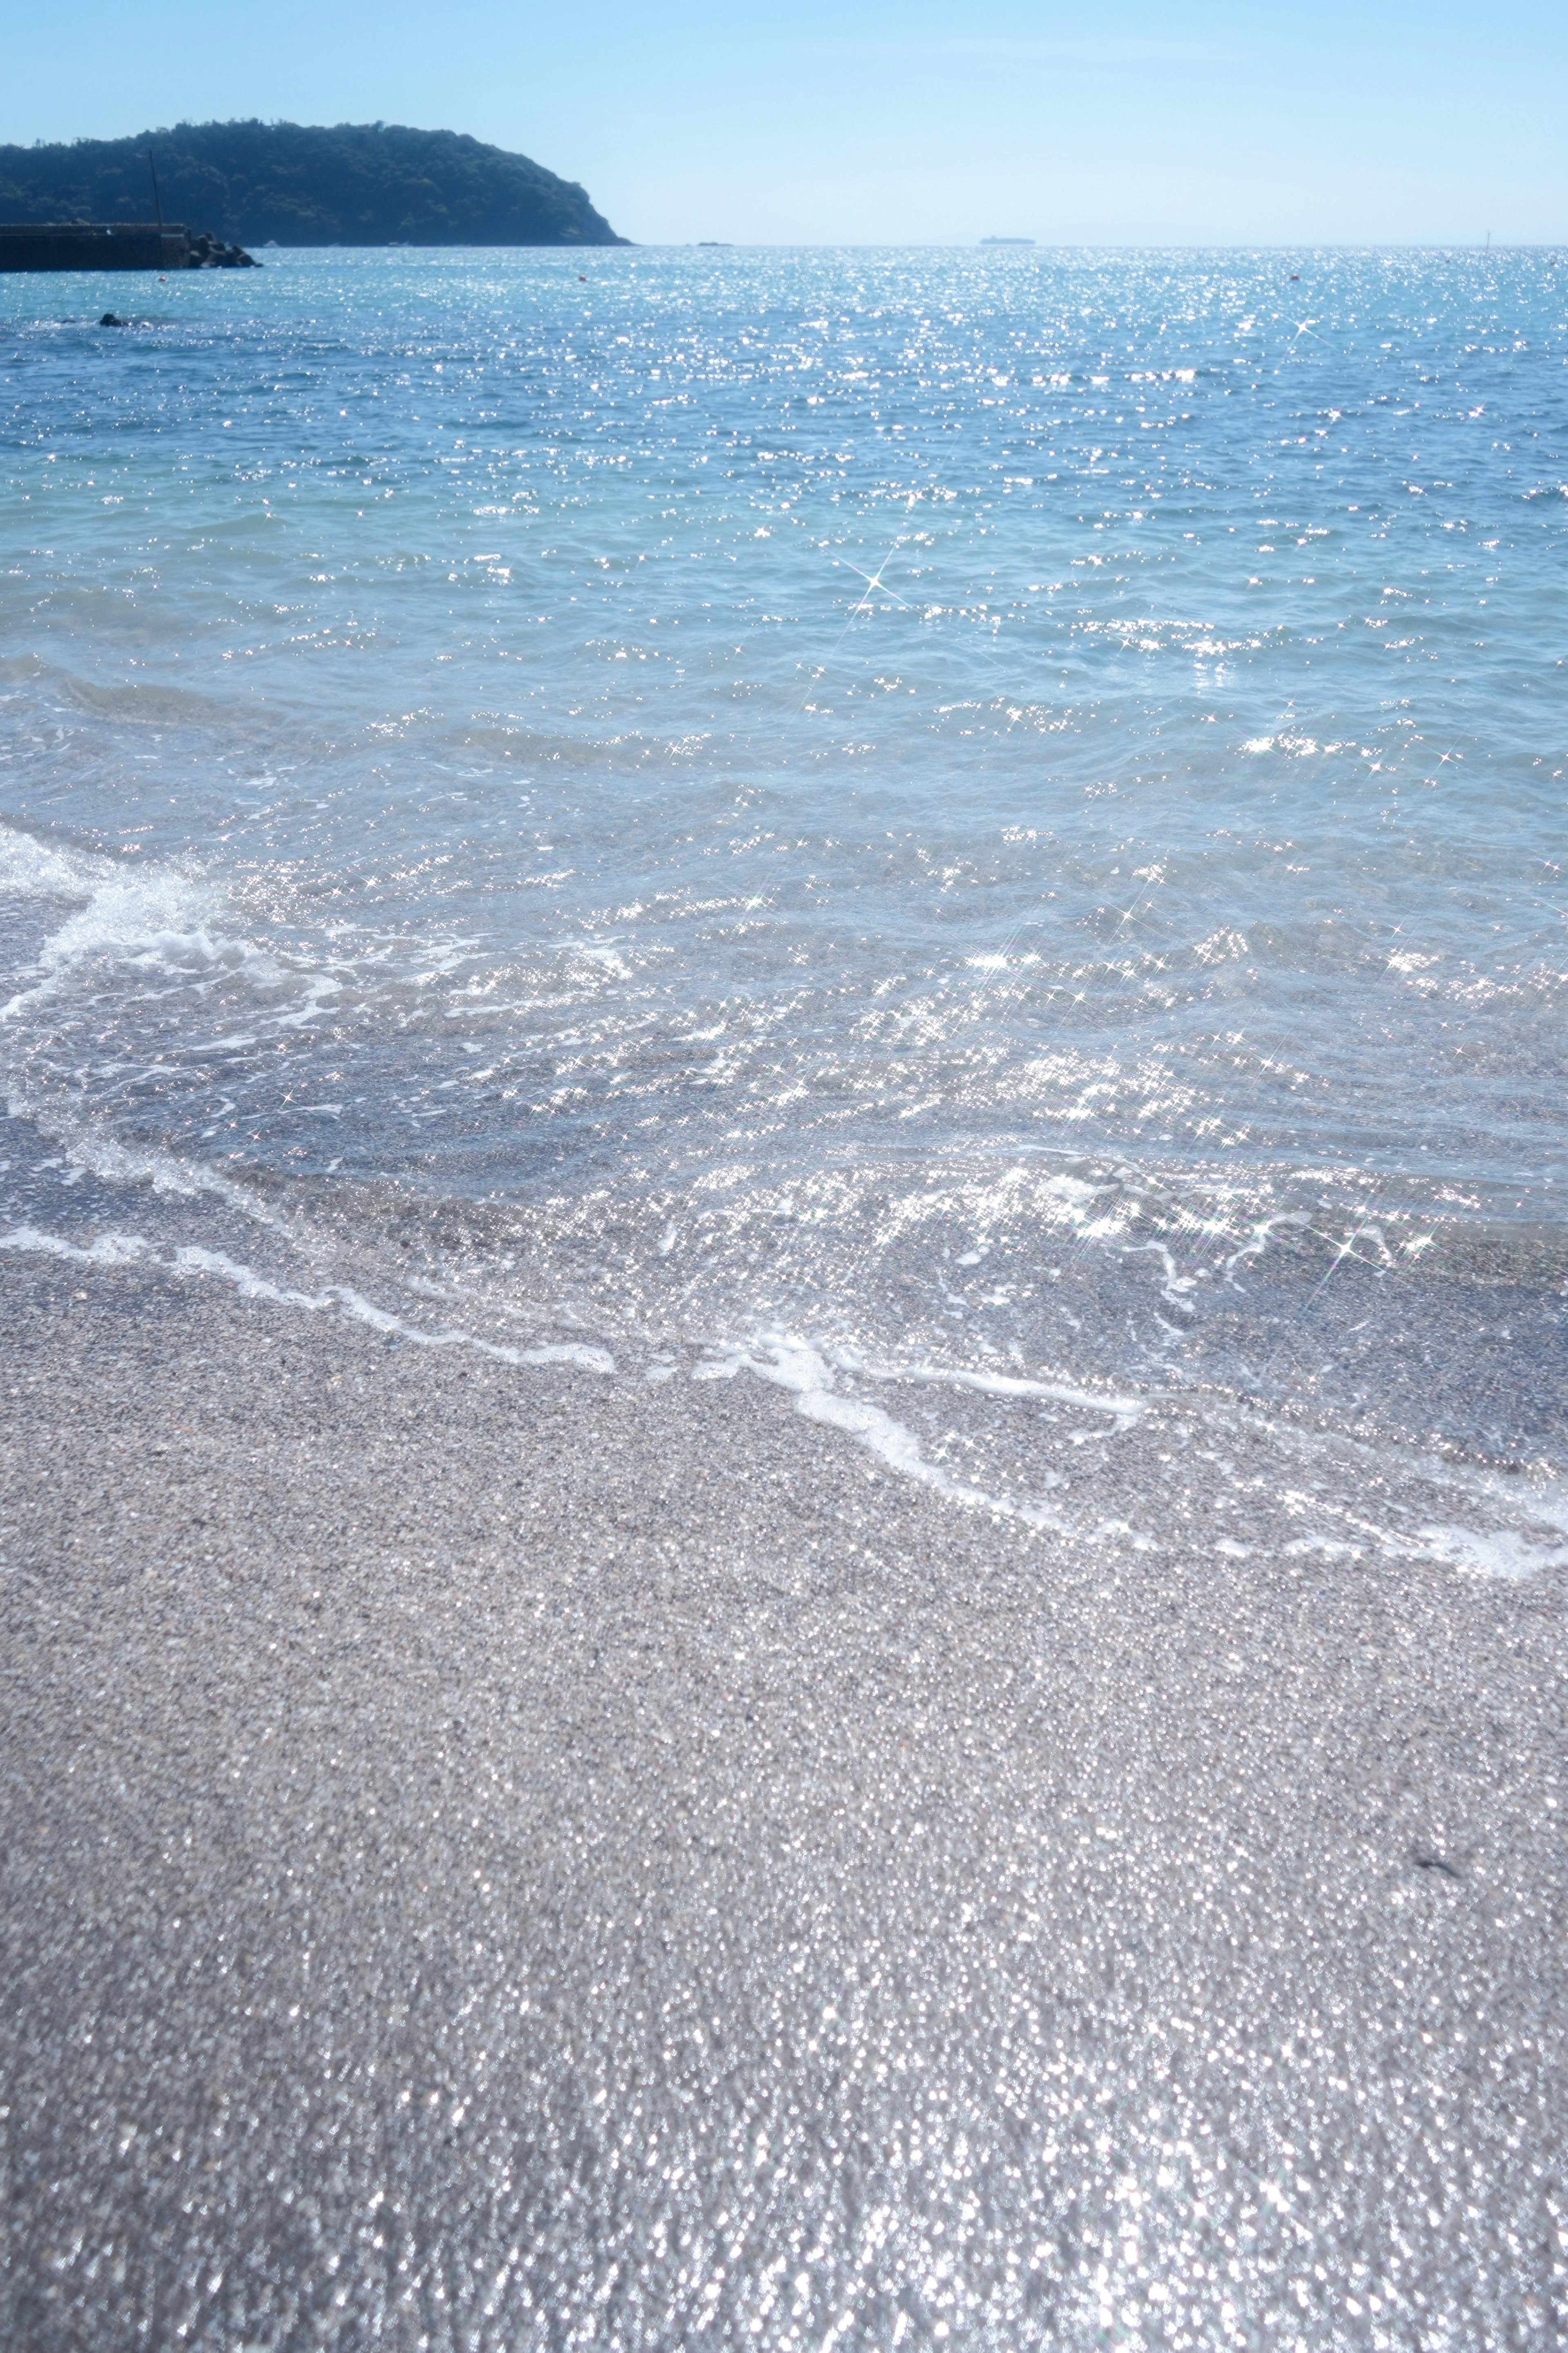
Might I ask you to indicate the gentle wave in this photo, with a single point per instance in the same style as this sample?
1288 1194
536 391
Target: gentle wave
741 783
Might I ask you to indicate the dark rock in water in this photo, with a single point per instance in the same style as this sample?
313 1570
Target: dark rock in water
210 252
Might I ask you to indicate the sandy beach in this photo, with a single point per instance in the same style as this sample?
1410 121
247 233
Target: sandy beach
500 1858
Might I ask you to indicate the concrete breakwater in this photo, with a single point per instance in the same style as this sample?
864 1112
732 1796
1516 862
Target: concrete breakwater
116 245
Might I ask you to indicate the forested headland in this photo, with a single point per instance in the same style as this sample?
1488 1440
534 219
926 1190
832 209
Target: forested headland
355 184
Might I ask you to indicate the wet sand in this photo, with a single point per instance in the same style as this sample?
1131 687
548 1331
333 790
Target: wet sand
505 1858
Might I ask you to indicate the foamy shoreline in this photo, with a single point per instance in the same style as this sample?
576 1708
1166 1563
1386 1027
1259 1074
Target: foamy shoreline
505 1850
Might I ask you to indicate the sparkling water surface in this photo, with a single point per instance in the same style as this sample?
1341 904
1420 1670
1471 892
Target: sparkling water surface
820 779
973 838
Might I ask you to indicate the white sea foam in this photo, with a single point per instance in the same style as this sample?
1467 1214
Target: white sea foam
793 1365
1492 1552
1124 1410
131 910
31 868
1529 1541
88 1145
159 921
1513 1527
189 1258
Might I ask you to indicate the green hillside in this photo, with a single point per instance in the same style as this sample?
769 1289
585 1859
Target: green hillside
358 184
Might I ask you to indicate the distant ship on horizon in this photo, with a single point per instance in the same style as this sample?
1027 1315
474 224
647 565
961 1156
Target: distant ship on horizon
1006 240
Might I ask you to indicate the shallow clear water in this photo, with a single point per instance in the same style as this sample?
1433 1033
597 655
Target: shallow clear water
988 811
975 838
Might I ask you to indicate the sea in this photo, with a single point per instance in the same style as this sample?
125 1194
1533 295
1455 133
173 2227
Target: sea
976 835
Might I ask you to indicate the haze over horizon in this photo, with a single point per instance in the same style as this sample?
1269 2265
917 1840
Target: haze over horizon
913 127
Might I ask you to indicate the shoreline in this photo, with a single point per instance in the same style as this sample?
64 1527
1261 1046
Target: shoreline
514 1855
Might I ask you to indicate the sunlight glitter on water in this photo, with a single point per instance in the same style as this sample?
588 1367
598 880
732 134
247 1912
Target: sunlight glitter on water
804 740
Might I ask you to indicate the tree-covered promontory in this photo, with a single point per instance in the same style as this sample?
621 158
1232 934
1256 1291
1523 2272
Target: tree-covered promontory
357 184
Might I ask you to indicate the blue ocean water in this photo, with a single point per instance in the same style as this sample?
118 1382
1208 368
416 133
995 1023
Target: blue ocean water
976 837
969 809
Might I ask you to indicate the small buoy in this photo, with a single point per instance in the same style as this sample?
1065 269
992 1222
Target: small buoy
581 278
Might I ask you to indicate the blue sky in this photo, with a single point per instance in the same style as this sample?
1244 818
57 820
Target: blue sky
878 122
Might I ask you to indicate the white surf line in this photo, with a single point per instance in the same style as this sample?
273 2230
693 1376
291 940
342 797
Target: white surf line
97 1154
1490 1552
1528 1518
123 1250
1176 1289
1123 1410
792 1366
